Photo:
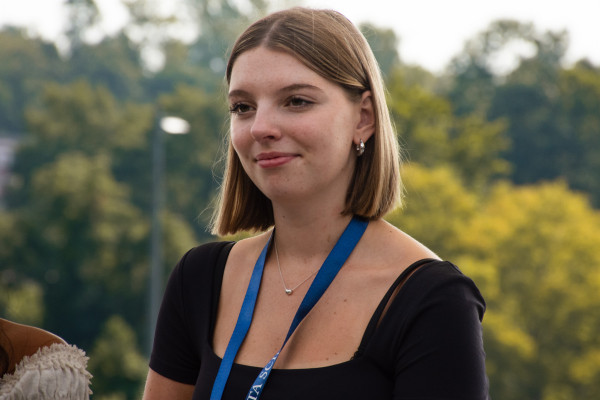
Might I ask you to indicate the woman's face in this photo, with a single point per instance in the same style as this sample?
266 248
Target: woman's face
294 131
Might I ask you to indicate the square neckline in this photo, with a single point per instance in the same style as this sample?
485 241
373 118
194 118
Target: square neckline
377 317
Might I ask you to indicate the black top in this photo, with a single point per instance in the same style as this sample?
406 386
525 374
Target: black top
428 345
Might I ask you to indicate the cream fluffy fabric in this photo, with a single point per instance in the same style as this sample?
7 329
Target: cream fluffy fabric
54 372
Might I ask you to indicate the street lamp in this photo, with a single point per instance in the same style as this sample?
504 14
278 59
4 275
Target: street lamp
174 126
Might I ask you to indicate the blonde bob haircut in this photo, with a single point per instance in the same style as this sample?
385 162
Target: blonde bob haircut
330 45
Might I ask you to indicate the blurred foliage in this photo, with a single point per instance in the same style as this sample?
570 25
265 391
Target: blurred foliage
541 242
384 44
116 363
432 135
502 172
115 63
554 126
532 250
23 303
193 160
551 113
27 63
437 206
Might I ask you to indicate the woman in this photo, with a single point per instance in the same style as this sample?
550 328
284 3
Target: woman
313 155
36 364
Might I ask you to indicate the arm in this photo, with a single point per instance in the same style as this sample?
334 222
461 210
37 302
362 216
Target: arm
158 387
182 326
173 364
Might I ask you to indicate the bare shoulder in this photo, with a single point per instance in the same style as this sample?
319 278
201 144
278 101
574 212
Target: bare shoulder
28 336
392 247
247 250
238 270
25 340
380 258
241 260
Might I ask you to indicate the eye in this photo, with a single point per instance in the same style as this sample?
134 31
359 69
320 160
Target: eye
239 108
298 102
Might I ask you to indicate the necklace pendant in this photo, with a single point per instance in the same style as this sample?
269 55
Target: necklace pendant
289 291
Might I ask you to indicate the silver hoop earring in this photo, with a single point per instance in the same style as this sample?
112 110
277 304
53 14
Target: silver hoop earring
360 148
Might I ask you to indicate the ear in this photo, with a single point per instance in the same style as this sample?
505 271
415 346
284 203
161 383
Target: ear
366 123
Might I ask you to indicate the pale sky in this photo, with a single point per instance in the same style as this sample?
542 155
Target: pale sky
431 31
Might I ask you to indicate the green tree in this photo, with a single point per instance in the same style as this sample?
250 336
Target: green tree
541 241
532 252
192 160
114 63
579 121
77 219
22 301
437 205
85 243
550 113
26 64
219 23
432 135
474 77
115 362
83 16
182 69
553 124
79 117
384 43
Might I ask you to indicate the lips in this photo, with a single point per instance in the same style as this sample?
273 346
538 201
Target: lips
274 159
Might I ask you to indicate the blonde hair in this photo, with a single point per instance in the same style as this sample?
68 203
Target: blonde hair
330 45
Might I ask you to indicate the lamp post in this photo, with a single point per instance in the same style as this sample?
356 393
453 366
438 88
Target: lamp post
164 125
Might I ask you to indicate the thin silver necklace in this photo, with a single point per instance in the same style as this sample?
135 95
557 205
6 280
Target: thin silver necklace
289 291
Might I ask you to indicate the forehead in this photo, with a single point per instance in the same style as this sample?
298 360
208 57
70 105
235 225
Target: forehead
263 67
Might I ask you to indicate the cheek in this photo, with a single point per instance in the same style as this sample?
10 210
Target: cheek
241 145
240 140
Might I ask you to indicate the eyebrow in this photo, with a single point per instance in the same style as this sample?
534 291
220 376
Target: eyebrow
290 88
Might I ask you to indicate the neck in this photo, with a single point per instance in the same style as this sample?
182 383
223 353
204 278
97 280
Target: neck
306 239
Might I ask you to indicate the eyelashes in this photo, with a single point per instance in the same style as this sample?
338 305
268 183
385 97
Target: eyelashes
298 102
239 108
295 103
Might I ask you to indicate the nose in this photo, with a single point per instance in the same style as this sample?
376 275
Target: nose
265 126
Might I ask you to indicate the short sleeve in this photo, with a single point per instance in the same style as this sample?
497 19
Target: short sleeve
440 353
171 356
186 312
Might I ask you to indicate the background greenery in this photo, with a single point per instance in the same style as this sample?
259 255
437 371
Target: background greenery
502 175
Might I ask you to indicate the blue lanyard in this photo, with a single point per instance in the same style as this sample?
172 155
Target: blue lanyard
333 263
